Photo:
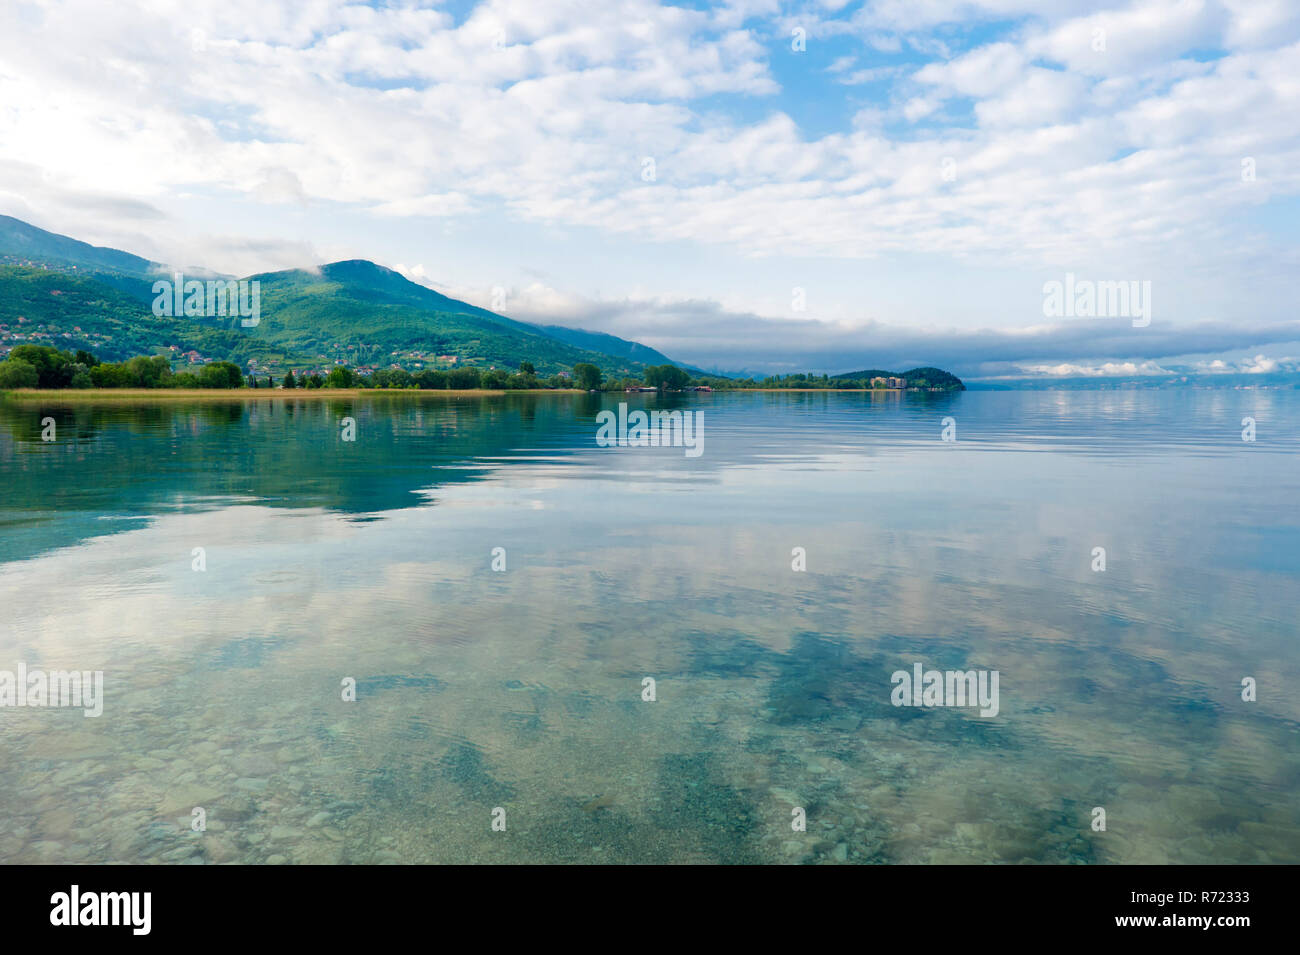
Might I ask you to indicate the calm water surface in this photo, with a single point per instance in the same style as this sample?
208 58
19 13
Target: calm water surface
522 689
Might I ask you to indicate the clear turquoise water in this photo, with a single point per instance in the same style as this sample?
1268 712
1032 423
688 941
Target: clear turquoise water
522 689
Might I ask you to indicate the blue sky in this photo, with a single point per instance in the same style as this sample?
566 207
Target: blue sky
914 173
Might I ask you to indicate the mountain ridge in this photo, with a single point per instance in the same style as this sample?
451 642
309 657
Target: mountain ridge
19 238
353 311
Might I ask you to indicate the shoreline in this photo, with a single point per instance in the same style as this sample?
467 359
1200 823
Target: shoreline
281 394
123 394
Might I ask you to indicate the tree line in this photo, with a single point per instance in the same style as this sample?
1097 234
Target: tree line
42 366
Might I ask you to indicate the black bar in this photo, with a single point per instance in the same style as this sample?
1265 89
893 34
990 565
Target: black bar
948 905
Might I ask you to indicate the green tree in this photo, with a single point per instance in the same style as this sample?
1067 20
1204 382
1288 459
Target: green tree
587 375
666 377
463 378
16 373
341 376
526 368
494 378
110 375
432 378
148 372
53 367
288 380
392 378
221 374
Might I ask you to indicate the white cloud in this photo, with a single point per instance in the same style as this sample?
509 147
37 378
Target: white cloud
1133 39
1260 365
709 334
543 112
1257 365
1041 98
444 204
983 72
1107 369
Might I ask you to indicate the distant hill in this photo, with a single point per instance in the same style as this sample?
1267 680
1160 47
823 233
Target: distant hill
868 374
354 311
368 314
613 345
22 244
609 344
926 377
71 311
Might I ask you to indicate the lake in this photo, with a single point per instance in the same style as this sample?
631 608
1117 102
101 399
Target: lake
473 635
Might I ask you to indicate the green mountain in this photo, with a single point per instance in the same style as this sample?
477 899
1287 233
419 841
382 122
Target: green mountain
42 306
372 316
23 244
59 291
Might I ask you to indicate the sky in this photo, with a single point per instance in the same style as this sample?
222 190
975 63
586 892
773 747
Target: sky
750 186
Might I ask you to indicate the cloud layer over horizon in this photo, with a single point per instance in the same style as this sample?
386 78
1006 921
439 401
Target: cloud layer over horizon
702 333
